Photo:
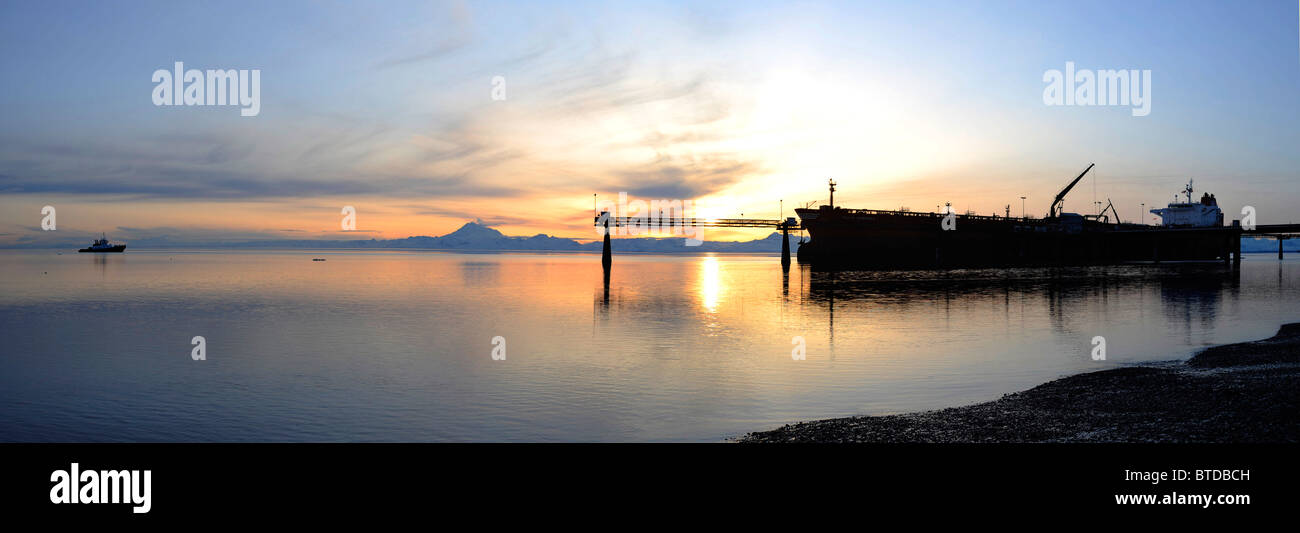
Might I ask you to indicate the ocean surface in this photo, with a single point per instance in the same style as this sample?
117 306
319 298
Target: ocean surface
398 346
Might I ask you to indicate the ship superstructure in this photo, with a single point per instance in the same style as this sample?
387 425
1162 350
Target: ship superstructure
1202 214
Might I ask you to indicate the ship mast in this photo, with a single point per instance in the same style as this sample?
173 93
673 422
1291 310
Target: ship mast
832 183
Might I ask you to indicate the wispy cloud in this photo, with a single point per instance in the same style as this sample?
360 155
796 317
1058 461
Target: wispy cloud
390 109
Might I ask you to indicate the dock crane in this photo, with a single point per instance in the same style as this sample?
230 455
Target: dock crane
1053 212
1102 216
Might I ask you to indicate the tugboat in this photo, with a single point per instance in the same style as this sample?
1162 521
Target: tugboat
101 246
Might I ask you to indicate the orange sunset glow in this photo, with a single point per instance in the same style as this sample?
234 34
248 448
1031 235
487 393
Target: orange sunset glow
422 141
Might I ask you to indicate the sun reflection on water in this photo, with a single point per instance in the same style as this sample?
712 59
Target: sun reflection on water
710 284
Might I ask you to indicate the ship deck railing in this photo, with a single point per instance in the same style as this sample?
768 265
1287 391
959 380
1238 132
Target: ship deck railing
962 216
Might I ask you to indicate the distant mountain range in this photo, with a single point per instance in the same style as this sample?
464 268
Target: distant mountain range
473 235
477 236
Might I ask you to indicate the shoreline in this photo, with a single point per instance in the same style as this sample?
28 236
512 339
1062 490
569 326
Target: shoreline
1238 393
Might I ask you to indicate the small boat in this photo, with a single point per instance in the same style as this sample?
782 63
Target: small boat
102 246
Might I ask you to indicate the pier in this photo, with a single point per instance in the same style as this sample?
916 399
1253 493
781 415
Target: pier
1281 232
1158 243
649 224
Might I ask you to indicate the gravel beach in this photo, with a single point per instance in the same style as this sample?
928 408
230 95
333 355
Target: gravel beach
1244 392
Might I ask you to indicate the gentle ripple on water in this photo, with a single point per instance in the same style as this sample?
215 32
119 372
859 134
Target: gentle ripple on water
396 346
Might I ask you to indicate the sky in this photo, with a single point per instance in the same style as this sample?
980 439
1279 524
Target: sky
736 106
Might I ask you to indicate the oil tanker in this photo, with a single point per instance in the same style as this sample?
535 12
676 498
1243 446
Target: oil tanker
868 238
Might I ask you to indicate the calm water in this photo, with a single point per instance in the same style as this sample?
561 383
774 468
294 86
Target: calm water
396 346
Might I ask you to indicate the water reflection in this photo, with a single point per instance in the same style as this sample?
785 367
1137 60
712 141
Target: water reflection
604 301
1185 293
101 262
873 308
395 346
480 273
710 283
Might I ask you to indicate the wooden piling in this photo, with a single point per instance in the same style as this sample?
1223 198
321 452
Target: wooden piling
785 247
1236 247
606 257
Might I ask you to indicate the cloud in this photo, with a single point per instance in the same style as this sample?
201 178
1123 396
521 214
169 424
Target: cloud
334 143
467 213
583 115
684 177
439 50
453 19
227 185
